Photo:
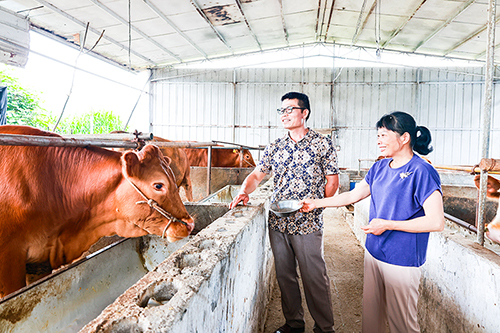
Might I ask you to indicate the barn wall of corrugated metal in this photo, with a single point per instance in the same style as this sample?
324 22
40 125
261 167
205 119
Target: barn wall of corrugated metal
240 106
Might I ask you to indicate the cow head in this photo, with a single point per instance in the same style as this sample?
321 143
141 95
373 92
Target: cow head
150 177
493 192
493 186
245 159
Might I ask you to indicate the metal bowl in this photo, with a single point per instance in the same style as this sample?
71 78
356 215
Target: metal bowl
285 208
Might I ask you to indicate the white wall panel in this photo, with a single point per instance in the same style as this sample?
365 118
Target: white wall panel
240 106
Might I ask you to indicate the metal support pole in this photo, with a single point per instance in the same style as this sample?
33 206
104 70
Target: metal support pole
209 169
52 141
486 115
92 140
235 103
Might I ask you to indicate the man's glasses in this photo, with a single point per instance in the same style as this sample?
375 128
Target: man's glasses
288 110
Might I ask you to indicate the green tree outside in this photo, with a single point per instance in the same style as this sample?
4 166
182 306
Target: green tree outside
23 108
100 122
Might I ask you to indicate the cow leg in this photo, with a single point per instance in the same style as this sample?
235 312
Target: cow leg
12 269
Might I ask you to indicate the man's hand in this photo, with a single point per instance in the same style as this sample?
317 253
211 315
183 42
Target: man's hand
241 197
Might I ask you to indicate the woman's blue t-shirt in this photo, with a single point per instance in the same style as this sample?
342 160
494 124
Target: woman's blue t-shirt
399 194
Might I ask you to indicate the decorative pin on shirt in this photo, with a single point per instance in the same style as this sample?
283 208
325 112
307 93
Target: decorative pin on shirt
403 175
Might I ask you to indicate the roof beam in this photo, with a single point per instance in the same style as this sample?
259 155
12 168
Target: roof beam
482 54
329 20
320 27
317 21
398 30
64 41
160 14
83 24
283 22
238 3
358 31
202 14
143 35
468 38
445 24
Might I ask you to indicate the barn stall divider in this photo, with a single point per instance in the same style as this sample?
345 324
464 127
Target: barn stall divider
459 286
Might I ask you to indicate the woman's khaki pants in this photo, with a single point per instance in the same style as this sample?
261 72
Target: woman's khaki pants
390 295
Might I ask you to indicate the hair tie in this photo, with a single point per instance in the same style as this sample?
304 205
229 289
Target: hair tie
417 130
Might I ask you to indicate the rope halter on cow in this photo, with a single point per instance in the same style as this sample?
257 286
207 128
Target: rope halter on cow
153 204
242 158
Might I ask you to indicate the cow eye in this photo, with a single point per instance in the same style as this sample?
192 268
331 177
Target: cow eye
158 186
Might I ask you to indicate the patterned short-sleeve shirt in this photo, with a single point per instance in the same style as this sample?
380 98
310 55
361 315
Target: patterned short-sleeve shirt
299 170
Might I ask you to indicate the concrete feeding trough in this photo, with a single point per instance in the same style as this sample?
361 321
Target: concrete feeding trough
217 282
217 277
71 297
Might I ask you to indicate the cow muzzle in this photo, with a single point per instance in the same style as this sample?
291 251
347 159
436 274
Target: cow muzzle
153 204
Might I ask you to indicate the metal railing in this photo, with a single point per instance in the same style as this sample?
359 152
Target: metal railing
134 140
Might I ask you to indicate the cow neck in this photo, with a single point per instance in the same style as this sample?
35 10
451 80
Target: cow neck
90 173
153 204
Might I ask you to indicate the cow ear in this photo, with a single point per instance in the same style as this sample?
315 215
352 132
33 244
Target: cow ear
477 179
131 164
150 152
167 159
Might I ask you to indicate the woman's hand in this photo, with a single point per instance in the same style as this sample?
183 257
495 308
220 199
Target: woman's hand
307 205
376 227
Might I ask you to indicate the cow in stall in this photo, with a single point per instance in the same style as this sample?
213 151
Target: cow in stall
221 158
492 192
179 163
58 201
180 166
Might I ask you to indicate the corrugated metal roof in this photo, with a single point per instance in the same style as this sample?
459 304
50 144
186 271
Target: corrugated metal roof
153 33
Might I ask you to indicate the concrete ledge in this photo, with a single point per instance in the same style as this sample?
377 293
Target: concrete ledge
220 281
460 286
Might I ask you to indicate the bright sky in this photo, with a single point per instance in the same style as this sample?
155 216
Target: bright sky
109 88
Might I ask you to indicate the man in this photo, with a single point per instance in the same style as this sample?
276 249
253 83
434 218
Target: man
304 164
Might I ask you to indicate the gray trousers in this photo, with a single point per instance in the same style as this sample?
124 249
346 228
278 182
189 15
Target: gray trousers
307 251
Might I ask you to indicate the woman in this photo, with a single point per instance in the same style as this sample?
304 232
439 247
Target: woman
406 204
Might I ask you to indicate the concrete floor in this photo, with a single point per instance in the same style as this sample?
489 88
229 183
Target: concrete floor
344 259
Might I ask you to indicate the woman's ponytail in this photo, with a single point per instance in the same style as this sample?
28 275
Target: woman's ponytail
422 140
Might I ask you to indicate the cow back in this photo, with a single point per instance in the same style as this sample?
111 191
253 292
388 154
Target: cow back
221 158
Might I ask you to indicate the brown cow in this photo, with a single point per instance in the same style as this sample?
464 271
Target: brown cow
58 201
179 164
493 192
222 158
180 167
